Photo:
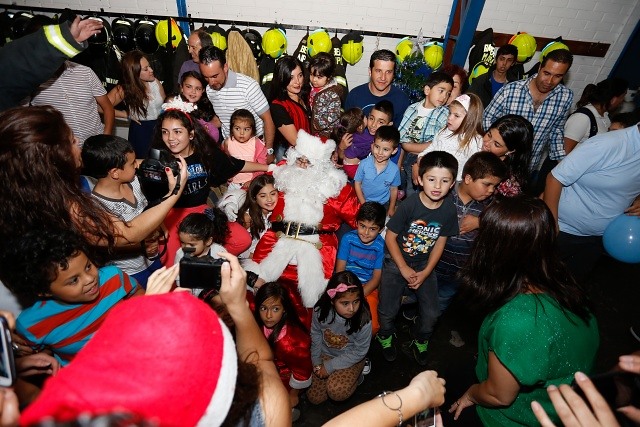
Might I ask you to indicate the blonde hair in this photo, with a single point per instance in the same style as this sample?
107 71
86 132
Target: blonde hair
240 56
471 125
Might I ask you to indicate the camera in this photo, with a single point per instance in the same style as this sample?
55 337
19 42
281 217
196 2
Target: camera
200 272
152 176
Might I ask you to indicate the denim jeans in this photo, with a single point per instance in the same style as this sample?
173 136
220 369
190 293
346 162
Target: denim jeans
391 289
447 289
405 175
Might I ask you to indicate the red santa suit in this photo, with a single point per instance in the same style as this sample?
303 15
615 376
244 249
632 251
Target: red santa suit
292 356
300 249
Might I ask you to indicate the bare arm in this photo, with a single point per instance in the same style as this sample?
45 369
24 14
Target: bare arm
290 133
373 283
108 113
393 199
569 144
434 257
414 147
341 265
269 132
551 197
116 96
357 186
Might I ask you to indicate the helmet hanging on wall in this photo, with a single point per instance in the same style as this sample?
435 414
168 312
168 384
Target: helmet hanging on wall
403 49
526 45
274 42
318 41
479 69
19 24
551 46
218 36
122 29
434 55
352 47
102 38
145 36
254 40
162 33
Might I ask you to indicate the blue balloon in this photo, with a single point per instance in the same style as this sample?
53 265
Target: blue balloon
621 238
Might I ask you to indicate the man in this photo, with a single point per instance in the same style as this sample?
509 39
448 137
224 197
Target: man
488 84
545 102
382 67
198 40
229 91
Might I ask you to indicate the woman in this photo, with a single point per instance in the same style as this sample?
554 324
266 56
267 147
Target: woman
539 330
143 94
594 106
460 80
288 100
39 164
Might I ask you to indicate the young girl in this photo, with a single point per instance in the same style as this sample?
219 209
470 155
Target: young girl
287 336
461 137
340 338
143 94
324 97
254 213
244 144
192 89
351 126
510 138
207 165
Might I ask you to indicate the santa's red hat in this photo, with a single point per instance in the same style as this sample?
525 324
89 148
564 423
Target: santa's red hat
165 358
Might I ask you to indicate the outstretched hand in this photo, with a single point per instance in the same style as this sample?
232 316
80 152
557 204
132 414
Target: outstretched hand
81 30
161 281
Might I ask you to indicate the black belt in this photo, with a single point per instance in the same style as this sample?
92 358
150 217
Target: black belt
295 229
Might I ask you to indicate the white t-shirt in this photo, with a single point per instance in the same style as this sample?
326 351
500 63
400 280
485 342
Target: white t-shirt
578 126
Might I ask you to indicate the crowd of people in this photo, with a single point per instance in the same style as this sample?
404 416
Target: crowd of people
309 225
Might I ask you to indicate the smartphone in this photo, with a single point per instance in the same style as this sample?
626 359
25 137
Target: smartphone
426 418
619 388
7 363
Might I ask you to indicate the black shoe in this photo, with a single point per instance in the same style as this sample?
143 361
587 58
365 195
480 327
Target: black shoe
388 347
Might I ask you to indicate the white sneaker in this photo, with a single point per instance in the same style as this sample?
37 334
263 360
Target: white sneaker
367 366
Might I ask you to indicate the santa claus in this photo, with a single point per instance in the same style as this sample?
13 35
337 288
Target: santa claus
300 247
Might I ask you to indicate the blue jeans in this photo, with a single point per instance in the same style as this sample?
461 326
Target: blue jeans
392 286
447 289
405 176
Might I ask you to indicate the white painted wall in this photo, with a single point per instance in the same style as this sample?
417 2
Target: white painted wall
606 21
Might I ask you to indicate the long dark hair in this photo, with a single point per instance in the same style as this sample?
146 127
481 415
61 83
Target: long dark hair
517 133
250 205
134 89
514 253
289 314
211 224
41 178
602 93
324 307
282 77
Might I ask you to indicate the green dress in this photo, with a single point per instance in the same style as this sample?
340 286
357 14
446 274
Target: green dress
540 344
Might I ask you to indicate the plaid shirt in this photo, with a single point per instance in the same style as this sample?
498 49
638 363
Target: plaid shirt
548 121
433 123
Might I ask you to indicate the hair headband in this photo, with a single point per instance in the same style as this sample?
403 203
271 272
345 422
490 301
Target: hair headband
464 100
342 287
178 104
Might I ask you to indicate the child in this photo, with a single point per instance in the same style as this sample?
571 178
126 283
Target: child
350 126
287 336
324 97
192 89
340 338
65 295
462 135
416 236
480 177
361 252
244 144
204 232
422 121
377 179
510 138
381 115
256 209
112 161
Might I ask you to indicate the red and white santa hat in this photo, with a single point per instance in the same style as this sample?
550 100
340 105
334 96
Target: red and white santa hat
311 147
166 358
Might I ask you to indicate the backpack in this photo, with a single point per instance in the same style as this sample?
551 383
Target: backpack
593 130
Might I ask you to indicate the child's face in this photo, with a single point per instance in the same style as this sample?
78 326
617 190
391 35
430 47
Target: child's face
78 283
347 305
176 137
318 80
437 95
382 150
492 141
456 115
479 189
271 311
128 171
367 231
436 183
242 131
200 247
267 198
376 119
192 89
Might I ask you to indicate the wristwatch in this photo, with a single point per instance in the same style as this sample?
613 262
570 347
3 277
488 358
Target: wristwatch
269 151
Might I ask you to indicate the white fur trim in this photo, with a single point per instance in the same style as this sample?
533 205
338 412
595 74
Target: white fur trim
312 148
223 395
299 385
231 202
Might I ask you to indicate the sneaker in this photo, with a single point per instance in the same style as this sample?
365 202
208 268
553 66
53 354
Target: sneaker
419 349
410 314
635 332
367 366
388 347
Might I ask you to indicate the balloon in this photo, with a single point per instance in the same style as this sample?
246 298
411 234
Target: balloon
621 238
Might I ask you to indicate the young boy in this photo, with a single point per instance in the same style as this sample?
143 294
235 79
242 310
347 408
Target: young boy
416 236
480 176
422 121
377 179
112 161
361 251
381 115
65 295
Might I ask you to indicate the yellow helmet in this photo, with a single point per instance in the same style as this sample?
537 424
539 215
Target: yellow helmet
479 69
218 37
403 49
319 41
551 46
526 45
352 47
434 55
274 42
162 33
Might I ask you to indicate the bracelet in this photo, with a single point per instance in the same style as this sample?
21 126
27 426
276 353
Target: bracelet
399 408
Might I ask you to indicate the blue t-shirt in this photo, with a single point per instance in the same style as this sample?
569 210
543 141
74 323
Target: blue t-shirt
361 259
376 186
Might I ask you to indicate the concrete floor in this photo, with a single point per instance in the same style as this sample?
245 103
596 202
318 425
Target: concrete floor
614 288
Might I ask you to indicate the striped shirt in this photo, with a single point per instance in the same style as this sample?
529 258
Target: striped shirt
239 91
361 259
548 120
66 328
74 94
